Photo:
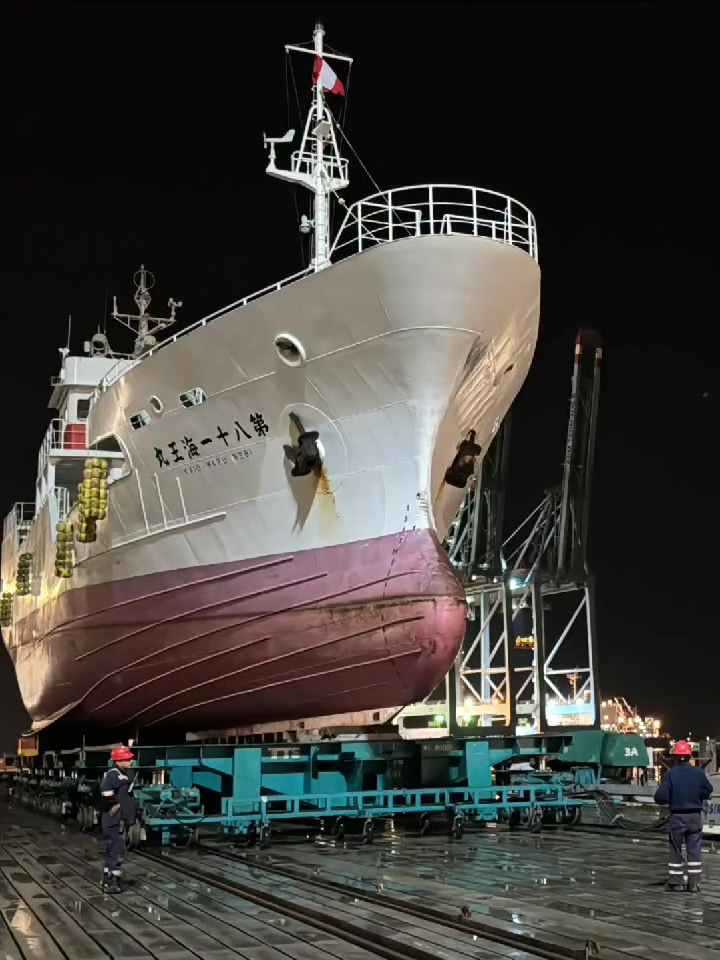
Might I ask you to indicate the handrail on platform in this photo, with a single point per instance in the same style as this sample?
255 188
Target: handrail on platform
431 209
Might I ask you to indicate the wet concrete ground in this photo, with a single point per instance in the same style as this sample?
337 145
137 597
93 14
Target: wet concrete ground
606 888
52 909
560 884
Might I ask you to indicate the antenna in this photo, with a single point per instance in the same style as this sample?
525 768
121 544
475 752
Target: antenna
317 165
143 324
64 351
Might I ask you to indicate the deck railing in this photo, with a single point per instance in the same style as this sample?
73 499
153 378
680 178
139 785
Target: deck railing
442 209
436 209
19 520
59 437
122 367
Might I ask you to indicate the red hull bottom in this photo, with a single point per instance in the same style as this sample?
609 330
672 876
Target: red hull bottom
350 628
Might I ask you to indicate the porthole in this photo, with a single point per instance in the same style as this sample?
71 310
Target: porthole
193 398
290 350
139 420
156 404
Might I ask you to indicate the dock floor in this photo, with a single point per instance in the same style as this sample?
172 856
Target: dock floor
560 885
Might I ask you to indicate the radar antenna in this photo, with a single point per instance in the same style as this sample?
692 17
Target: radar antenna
142 324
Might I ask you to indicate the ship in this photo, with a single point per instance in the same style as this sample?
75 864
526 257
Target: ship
242 522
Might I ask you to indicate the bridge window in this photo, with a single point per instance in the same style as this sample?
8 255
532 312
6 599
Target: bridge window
193 398
139 420
83 409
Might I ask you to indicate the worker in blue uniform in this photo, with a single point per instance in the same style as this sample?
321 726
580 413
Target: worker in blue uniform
118 810
684 788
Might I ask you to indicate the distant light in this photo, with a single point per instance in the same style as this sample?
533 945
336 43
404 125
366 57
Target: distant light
513 583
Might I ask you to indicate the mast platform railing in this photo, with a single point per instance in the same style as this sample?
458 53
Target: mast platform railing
305 161
436 209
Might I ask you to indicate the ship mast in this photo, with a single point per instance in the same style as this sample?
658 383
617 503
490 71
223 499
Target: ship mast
317 165
143 324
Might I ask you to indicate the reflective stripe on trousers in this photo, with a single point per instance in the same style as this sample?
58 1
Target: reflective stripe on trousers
685 829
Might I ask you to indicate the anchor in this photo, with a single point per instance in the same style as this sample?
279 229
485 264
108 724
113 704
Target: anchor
463 466
305 455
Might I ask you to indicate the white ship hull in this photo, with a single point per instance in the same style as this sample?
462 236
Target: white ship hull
409 346
387 384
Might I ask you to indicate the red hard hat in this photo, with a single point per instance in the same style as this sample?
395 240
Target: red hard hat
122 753
682 749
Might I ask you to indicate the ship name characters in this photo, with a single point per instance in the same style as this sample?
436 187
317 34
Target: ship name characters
216 450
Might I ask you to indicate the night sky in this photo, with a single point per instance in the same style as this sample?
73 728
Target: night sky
132 132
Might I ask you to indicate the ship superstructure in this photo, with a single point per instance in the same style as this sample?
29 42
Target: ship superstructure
243 522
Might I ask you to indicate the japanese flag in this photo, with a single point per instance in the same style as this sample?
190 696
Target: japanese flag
324 75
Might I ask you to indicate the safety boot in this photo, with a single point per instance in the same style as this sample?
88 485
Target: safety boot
693 885
675 887
111 884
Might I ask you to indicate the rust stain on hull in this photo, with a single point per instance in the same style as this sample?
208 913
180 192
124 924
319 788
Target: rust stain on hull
326 498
